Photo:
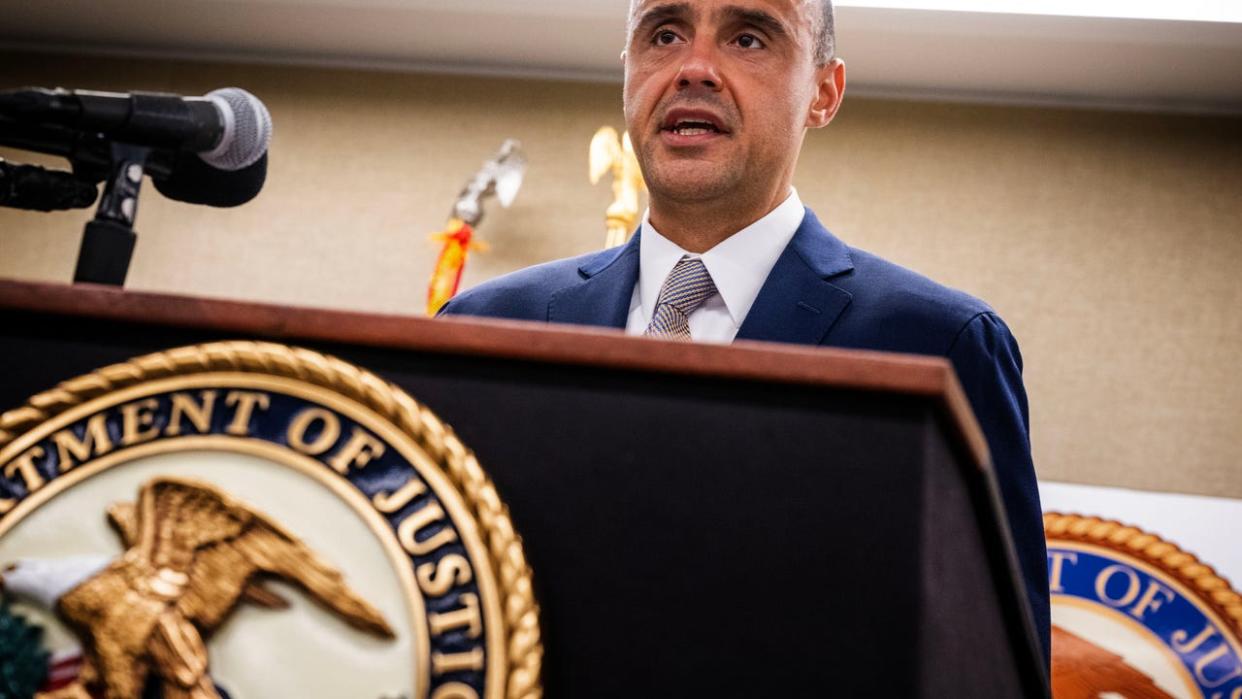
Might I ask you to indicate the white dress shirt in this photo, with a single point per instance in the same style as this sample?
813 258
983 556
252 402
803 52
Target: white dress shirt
739 266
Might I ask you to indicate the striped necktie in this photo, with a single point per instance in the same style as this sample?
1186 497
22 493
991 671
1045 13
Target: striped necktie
685 289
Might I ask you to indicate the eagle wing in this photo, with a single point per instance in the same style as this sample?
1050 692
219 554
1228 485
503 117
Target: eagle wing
124 519
1083 670
222 545
279 553
176 518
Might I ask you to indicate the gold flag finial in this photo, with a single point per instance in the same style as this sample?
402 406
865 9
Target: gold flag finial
610 153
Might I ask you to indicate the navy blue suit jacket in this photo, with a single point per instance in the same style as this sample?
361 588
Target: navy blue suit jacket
823 292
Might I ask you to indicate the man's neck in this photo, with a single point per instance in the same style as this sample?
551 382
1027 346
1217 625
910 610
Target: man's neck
700 226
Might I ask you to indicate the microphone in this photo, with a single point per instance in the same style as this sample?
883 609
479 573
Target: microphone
38 189
229 129
177 174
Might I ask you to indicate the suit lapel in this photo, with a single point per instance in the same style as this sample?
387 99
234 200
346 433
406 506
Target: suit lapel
603 296
797 304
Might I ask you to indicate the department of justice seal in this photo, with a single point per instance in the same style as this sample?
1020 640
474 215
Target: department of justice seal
249 520
1134 616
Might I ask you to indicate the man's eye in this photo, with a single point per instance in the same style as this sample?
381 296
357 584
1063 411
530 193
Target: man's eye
749 41
665 38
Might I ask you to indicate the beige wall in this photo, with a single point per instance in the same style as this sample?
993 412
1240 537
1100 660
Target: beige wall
1110 242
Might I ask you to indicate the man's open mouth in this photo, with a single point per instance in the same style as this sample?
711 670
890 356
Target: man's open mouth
693 128
684 123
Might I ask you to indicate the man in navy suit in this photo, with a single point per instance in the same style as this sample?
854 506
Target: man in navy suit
719 95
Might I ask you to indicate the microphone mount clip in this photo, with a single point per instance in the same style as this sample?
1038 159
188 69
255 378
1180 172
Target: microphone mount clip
108 240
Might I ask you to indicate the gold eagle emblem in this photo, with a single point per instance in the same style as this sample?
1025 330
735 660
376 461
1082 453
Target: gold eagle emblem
192 555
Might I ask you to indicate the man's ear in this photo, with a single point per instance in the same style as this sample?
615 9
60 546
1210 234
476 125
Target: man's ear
830 89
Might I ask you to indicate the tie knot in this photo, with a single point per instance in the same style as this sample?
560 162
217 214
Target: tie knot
687 286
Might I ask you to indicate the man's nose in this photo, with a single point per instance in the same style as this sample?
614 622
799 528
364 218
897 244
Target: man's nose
700 69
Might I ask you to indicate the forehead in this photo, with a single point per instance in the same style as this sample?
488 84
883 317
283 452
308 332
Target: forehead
793 11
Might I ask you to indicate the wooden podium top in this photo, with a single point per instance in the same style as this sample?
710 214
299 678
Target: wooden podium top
932 377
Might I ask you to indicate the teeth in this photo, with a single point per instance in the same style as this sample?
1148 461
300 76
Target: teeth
694 128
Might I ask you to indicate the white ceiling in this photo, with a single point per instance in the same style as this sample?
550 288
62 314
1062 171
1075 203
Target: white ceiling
1128 63
1194 10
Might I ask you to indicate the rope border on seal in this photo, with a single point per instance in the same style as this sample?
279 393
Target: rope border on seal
1183 566
519 608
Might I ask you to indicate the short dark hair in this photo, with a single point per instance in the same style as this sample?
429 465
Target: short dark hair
825 34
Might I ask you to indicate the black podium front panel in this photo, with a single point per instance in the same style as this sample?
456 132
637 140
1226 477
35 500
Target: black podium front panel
691 536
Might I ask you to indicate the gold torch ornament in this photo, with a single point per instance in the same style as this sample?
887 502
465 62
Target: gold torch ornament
610 153
502 177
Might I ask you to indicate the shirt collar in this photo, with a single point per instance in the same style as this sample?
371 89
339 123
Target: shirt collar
739 264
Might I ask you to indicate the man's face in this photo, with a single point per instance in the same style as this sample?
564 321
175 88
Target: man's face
718 94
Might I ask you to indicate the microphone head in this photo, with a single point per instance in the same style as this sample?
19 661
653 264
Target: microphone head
193 181
247 130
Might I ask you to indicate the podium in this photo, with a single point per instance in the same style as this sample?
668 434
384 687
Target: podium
750 520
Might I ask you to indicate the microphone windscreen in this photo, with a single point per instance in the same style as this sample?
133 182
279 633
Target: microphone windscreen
195 182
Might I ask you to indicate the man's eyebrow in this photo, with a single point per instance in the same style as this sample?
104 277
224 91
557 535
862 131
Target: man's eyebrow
764 21
662 13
